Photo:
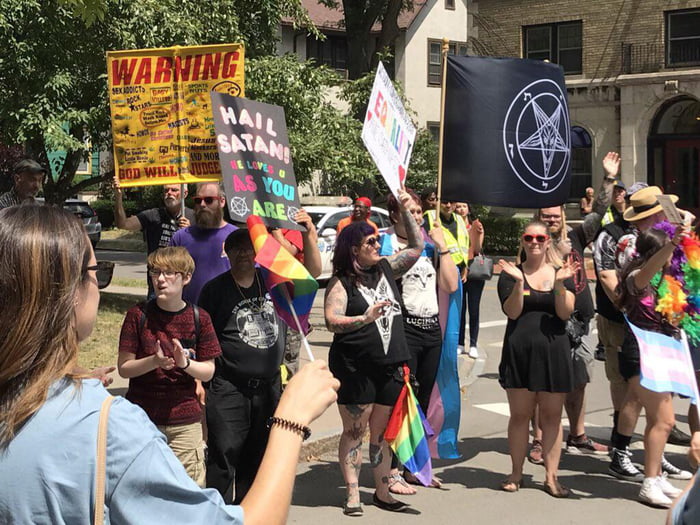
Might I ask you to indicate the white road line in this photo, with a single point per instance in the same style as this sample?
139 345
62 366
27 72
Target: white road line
491 324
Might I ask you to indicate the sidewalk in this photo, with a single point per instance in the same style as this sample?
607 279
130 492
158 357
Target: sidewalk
326 430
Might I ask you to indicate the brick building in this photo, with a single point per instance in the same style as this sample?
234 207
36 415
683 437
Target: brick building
633 78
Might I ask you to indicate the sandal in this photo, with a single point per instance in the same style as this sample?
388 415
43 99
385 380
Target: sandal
398 485
557 491
412 480
508 485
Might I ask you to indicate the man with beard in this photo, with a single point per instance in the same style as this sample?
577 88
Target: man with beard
28 178
205 239
158 224
360 212
570 242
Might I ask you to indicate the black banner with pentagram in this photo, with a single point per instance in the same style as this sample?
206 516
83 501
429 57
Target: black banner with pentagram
256 162
507 138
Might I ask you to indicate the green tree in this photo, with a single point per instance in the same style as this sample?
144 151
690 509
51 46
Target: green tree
53 69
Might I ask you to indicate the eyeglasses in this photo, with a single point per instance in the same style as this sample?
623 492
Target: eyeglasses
207 200
103 272
539 238
372 241
168 274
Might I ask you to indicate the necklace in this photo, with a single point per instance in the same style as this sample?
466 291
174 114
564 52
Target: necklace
257 308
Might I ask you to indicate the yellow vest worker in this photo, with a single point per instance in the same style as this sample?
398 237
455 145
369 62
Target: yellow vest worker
456 235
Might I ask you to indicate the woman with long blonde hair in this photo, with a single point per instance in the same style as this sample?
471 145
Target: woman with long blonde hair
49 414
536 368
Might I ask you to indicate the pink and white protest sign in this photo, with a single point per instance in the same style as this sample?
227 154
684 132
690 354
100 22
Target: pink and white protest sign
388 132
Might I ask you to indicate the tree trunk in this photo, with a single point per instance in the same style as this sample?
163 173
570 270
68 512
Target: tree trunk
390 29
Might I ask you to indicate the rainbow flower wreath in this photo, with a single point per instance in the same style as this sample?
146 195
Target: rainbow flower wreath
678 291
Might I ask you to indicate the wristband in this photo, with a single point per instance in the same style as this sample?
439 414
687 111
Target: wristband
298 428
187 365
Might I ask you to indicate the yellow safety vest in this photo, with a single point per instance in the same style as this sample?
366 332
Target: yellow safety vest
459 247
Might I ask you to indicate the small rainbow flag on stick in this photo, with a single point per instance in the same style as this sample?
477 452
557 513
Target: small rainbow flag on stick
291 287
407 434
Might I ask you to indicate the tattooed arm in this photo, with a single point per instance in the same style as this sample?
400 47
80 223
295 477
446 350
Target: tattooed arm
335 305
402 260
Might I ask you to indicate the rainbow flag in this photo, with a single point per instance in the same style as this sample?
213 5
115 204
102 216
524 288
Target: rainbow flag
666 365
444 409
288 282
407 434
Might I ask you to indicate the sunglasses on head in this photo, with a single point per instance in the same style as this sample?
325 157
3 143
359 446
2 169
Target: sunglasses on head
104 271
539 238
207 200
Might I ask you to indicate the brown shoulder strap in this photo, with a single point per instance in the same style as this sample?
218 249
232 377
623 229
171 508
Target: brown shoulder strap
101 462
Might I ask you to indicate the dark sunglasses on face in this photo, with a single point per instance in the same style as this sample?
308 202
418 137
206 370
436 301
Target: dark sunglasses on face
372 241
539 238
104 271
207 200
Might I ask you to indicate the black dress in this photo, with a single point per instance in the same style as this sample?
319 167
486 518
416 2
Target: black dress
536 350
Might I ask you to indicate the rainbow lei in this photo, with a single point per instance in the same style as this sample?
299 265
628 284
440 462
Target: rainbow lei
678 290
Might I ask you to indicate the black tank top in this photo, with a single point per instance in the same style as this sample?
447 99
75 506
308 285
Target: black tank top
383 341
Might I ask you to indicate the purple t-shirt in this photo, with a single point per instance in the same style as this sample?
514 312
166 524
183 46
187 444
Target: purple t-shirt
206 246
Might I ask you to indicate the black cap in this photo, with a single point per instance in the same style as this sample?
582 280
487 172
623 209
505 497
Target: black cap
237 238
29 166
619 184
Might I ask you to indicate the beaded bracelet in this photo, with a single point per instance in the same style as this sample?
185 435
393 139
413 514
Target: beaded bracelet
300 429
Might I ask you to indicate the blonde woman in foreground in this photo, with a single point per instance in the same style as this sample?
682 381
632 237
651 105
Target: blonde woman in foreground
49 415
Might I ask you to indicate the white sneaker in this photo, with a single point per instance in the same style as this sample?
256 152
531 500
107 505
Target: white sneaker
668 489
473 352
652 493
461 350
673 471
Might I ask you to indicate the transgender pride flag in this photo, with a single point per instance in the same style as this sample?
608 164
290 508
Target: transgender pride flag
665 363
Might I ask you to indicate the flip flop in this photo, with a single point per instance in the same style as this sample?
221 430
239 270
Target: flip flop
397 479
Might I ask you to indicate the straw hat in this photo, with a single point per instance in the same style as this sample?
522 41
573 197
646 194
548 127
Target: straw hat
643 203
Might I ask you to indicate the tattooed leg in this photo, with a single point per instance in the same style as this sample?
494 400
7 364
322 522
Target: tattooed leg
355 418
381 459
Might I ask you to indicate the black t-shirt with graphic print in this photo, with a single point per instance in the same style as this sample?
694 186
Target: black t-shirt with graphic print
159 226
249 331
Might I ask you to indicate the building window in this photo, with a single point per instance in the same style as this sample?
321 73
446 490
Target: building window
331 52
561 43
450 4
581 163
683 37
434 129
435 58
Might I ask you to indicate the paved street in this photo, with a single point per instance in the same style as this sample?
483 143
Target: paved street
472 494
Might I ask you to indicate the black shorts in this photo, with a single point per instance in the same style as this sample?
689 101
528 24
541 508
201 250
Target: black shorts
629 356
365 383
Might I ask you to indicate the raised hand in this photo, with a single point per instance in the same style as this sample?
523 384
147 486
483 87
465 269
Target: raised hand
511 269
309 393
163 361
375 311
567 270
611 164
183 222
438 237
404 198
116 186
180 354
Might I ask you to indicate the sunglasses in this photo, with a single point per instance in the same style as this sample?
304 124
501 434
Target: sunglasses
207 200
104 271
168 274
539 238
372 241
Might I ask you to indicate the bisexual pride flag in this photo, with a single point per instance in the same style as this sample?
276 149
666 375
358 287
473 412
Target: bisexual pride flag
665 362
291 287
407 434
444 409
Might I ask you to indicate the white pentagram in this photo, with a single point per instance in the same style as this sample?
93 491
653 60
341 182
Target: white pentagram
546 138
291 212
239 207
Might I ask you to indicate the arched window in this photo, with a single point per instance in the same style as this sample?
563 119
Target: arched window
581 163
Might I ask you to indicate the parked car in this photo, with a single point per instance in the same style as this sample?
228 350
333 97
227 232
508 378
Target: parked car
326 219
89 217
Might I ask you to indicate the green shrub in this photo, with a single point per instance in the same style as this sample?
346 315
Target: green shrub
502 234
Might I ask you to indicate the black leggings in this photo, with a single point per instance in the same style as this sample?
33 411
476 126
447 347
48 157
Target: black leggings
425 347
471 297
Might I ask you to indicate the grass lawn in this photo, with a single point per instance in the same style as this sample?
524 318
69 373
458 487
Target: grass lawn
100 349
129 283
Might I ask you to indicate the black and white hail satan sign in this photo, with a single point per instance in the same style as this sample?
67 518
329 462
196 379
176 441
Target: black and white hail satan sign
507 138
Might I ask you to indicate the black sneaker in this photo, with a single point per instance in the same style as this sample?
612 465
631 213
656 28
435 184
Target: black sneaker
678 437
622 467
600 352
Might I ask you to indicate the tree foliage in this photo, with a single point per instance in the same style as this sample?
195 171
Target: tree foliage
53 67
